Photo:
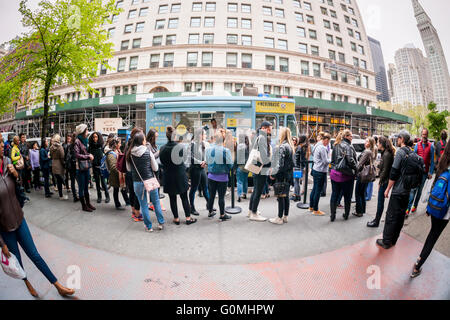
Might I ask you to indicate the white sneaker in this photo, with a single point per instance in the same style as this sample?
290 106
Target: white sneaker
250 213
257 217
276 220
64 198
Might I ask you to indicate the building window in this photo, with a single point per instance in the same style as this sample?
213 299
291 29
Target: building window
232 38
363 64
136 43
267 11
330 39
341 57
334 75
301 32
168 60
344 77
303 47
305 68
164 8
133 89
121 65
210 7
232 22
128 28
267 89
332 54
339 42
134 63
103 69
117 91
196 22
299 17
365 82
207 59
175 8
270 63
227 86
281 27
125 90
279 13
132 14
246 23
154 61
246 8
140 26
173 23
171 39
246 40
210 22
231 60
192 59
197 7
310 19
157 41
232 7
284 64
268 26
316 70
187 86
313 34
208 38
282 44
198 86
246 61
124 45
194 38
160 24
269 43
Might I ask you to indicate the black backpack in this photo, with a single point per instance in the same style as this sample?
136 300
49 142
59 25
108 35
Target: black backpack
413 170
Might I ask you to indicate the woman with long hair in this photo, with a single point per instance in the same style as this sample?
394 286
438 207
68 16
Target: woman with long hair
343 171
83 165
243 152
367 157
175 179
387 159
112 153
134 201
96 148
72 167
58 164
142 165
300 161
284 174
437 225
151 137
14 230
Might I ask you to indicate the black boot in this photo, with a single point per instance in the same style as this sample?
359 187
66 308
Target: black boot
88 202
194 212
107 199
373 224
333 207
83 205
99 197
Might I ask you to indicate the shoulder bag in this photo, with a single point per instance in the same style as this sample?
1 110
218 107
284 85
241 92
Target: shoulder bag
368 173
149 184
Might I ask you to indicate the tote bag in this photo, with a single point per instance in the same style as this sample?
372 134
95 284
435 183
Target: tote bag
254 164
12 268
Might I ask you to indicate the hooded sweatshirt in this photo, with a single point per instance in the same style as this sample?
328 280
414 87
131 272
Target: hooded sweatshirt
142 164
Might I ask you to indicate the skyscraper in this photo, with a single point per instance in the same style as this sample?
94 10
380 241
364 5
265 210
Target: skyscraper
411 78
380 69
436 58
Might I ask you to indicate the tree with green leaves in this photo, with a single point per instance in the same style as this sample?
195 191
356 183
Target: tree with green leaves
418 115
66 43
436 120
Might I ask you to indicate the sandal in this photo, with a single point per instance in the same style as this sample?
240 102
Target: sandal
176 222
193 220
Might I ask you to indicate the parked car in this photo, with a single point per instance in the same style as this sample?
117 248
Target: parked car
6 134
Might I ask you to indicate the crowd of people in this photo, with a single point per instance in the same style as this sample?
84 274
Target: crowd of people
139 171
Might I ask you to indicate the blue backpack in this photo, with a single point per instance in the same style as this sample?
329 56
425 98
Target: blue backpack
104 168
439 200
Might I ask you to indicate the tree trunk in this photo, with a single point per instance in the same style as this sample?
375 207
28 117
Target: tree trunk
45 117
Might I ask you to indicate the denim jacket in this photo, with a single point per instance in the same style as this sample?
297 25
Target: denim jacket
218 159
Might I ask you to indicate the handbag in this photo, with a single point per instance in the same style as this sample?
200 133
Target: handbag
12 268
254 164
368 173
149 184
84 165
20 165
121 163
298 173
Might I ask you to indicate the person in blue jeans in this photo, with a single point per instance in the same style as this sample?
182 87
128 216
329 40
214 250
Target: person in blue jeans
319 172
243 151
142 165
387 159
14 230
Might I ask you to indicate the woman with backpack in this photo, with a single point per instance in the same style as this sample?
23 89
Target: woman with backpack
438 209
365 159
142 164
96 149
284 175
343 171
243 152
112 152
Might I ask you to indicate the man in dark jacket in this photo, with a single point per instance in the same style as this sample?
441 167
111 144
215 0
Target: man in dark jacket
26 172
398 203
44 162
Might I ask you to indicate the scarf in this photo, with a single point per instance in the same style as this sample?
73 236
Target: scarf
83 140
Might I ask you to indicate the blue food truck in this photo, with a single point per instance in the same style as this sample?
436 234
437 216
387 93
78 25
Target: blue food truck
236 113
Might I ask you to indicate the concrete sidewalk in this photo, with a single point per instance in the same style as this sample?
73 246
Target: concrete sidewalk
308 258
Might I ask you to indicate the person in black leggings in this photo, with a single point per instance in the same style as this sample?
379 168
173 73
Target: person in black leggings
437 225
197 169
175 177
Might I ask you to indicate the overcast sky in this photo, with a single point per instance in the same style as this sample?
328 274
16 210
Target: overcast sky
391 22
